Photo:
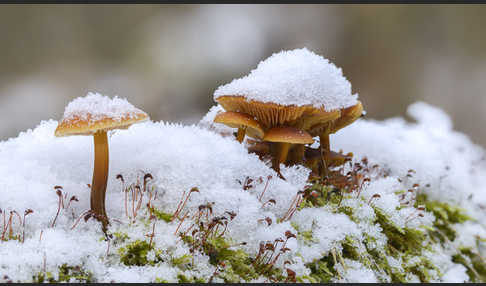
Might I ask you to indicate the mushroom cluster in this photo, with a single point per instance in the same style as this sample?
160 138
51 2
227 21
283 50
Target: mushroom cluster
290 98
95 115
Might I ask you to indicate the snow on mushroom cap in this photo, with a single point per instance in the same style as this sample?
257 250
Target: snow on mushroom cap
96 107
297 77
86 115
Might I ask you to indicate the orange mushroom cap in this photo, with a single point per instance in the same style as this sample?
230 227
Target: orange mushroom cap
348 116
239 120
287 134
94 112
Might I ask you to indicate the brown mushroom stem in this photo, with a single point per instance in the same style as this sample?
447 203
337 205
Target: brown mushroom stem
325 148
100 176
280 150
297 153
241 134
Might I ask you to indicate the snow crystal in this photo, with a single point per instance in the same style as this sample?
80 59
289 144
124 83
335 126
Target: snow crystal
297 77
207 122
327 235
95 106
456 274
356 272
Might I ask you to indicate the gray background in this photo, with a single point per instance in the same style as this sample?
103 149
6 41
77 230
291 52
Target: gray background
168 59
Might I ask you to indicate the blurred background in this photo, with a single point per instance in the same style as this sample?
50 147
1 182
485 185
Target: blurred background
169 59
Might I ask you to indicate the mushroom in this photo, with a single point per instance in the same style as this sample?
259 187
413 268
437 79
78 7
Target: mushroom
348 116
244 122
282 138
313 159
94 115
268 114
260 148
296 89
326 127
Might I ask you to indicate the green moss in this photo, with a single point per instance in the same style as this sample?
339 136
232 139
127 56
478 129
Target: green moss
238 265
66 273
136 252
43 277
402 243
475 265
120 236
322 270
161 215
238 262
184 279
404 240
350 249
180 261
445 216
305 236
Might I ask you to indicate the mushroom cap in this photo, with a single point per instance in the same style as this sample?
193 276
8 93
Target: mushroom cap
287 134
238 120
318 117
268 114
294 78
348 116
94 112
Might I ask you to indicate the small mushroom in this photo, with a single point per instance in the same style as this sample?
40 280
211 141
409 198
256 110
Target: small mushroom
324 129
282 138
95 115
244 122
260 148
313 159
348 116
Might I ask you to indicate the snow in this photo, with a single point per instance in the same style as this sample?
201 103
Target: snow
356 273
181 157
297 77
457 274
446 159
207 122
95 106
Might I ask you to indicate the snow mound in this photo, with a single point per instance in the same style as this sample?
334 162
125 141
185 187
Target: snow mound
448 166
95 106
445 160
297 77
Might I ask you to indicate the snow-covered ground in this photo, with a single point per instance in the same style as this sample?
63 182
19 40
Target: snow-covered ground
189 203
447 166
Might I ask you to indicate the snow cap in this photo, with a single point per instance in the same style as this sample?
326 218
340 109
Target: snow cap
94 112
297 77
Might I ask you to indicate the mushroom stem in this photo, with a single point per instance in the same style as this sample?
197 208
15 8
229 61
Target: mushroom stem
100 176
241 134
325 148
281 150
296 155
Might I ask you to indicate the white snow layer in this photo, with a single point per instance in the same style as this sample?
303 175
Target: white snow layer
181 157
95 106
297 77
